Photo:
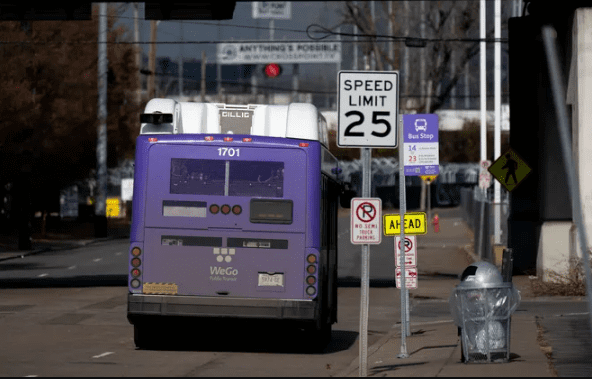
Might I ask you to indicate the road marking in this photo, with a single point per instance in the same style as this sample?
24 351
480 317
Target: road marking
118 254
97 259
42 275
30 376
104 354
425 323
71 267
573 314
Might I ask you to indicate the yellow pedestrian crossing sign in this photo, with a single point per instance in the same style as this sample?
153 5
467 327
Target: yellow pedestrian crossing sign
509 169
428 178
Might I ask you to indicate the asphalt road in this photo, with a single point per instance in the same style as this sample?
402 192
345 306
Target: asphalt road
63 313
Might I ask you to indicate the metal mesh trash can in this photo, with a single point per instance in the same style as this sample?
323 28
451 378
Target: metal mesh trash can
481 306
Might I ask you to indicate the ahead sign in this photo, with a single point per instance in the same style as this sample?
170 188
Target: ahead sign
368 108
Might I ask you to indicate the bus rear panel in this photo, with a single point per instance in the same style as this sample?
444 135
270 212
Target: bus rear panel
220 227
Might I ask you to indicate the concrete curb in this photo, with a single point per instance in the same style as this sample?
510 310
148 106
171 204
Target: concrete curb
74 244
354 365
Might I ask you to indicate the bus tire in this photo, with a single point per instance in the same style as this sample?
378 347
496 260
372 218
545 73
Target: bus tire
142 338
317 338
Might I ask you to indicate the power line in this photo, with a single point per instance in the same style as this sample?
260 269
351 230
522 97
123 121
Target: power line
289 89
414 41
216 25
396 39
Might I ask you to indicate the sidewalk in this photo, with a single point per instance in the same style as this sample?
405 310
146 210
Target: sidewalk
434 347
62 235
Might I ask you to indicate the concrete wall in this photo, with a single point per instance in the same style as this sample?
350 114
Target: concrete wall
579 97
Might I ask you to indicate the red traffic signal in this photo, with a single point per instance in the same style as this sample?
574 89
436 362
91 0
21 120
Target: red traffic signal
272 70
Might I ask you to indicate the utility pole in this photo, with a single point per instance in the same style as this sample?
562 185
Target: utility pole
138 52
497 66
483 233
181 64
203 76
467 87
453 60
255 71
390 32
406 57
423 53
355 43
100 203
152 60
295 73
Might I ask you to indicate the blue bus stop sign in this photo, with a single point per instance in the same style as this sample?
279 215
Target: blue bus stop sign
420 144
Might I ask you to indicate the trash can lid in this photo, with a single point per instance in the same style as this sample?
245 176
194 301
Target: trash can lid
481 274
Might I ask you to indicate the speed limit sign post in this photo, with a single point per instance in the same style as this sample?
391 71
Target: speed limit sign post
367 117
368 108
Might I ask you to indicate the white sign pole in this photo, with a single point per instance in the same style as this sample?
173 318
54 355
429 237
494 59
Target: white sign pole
402 210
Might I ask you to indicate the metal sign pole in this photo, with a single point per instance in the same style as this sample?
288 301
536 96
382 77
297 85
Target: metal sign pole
366 155
402 210
366 177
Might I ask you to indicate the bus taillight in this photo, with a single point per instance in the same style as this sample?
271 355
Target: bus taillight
209 138
310 280
310 290
136 272
311 258
247 139
136 262
227 139
311 269
135 283
303 144
136 251
237 209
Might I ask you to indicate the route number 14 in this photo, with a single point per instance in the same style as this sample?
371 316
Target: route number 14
412 152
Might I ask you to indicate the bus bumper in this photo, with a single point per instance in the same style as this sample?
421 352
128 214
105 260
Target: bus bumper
140 305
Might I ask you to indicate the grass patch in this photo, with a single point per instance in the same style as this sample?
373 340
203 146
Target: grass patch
545 347
573 283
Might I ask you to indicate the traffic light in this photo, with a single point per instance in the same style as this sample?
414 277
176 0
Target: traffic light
272 70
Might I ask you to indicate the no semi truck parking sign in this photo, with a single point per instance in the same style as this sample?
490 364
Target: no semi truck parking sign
368 109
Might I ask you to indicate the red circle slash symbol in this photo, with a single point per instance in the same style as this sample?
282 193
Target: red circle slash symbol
366 212
408 245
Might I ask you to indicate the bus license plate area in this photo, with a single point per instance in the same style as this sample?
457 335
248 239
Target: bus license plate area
271 280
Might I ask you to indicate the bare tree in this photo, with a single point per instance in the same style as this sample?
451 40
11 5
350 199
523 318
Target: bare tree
445 23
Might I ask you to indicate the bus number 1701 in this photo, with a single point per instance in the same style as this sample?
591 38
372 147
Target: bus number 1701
231 152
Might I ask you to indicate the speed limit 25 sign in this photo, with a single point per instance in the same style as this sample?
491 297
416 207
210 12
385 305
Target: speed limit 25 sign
368 108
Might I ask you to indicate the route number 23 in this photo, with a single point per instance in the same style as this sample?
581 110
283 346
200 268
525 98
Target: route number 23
349 132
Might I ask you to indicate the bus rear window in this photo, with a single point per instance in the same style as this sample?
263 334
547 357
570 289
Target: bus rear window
256 178
197 176
227 178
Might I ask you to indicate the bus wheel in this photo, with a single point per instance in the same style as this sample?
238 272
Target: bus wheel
142 337
317 338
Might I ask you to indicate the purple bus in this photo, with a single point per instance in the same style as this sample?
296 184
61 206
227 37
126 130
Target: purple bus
234 216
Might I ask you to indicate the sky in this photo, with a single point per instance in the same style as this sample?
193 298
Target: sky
241 27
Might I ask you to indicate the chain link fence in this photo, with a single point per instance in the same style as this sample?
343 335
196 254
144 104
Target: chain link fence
478 210
385 181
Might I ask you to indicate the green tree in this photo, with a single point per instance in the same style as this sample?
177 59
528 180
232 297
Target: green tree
48 123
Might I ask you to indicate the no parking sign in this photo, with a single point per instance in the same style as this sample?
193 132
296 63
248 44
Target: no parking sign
410 251
366 219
